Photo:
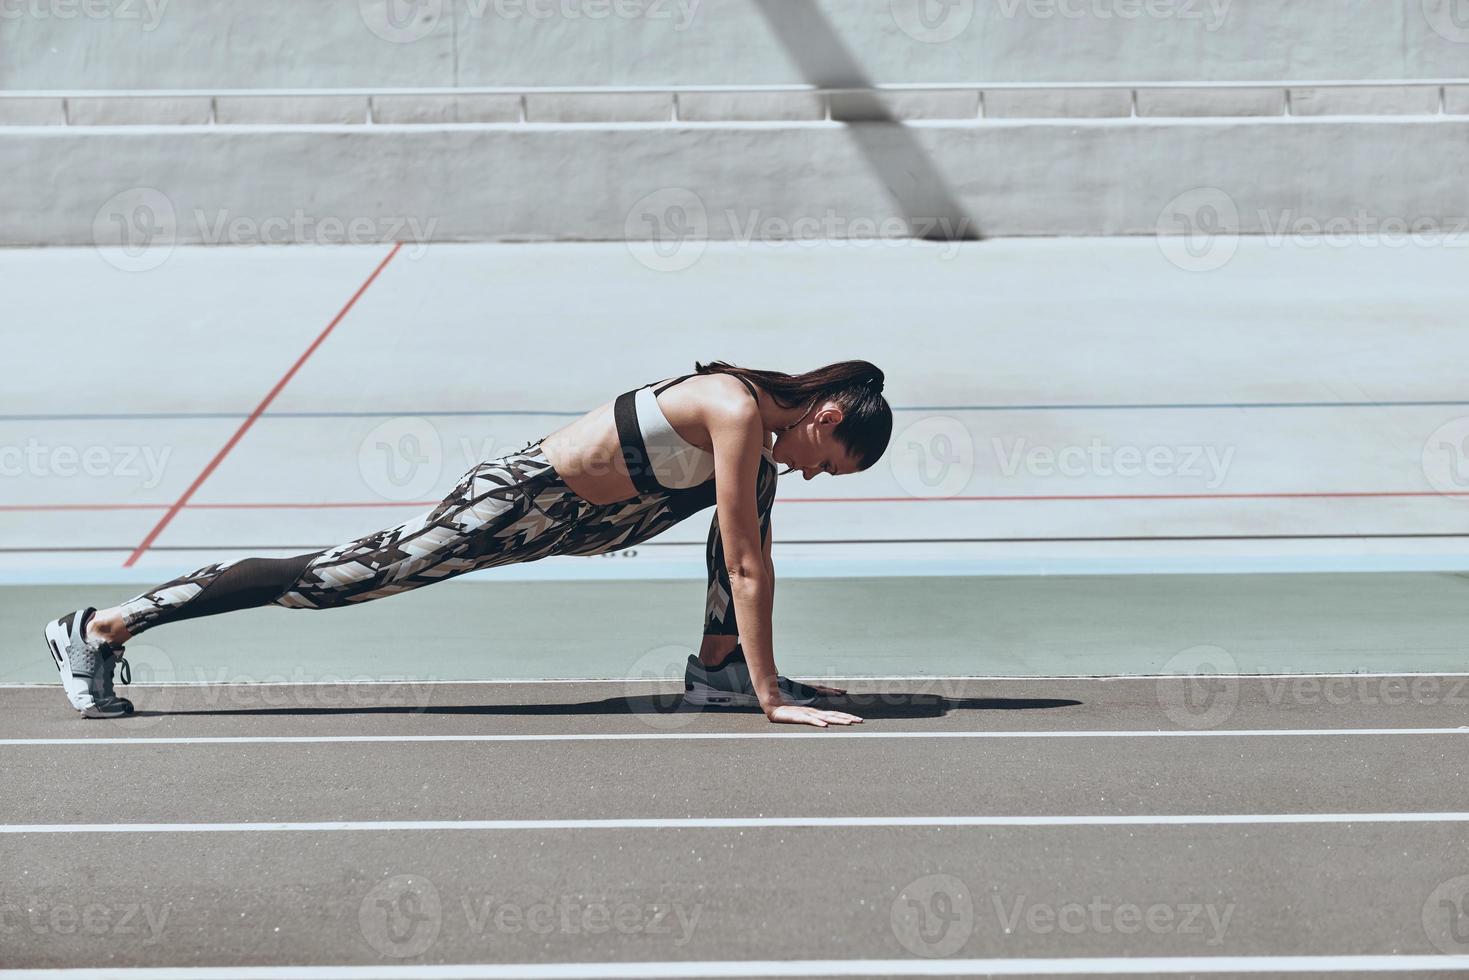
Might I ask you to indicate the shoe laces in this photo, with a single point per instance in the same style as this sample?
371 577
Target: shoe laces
124 670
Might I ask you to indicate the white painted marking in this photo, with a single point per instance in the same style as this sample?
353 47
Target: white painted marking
1070 966
829 734
641 682
729 823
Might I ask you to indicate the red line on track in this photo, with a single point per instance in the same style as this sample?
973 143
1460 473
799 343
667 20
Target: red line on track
369 504
178 505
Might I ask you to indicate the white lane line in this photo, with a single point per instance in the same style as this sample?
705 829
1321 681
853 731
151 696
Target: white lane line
829 735
1070 966
726 823
642 681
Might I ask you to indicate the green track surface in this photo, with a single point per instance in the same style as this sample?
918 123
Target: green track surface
1082 625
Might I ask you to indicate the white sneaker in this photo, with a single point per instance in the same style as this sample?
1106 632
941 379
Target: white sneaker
86 666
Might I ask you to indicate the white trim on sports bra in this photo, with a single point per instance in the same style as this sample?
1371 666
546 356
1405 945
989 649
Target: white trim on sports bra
676 463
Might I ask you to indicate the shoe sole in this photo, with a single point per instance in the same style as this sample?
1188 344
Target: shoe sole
57 639
708 697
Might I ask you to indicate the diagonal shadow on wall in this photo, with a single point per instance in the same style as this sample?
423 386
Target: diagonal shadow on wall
891 149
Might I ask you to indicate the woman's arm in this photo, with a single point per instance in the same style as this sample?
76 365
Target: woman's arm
738 437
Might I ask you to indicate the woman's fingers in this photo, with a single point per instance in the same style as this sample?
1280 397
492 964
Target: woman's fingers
800 715
841 718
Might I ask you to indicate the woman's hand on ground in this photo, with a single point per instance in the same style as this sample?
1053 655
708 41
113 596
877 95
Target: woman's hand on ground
797 714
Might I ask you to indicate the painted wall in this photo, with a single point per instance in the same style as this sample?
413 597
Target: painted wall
80 44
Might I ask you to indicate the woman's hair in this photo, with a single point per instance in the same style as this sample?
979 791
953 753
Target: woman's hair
867 419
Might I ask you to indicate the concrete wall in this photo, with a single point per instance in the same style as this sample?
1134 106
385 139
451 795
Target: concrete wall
83 44
677 183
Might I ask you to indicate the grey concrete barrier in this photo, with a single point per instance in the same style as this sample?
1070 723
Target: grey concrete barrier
763 181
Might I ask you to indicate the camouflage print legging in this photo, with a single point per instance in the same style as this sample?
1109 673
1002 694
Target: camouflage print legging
503 511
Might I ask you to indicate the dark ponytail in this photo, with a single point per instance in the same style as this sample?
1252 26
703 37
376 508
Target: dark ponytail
867 419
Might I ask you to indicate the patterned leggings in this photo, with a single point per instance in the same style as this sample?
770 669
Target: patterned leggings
503 511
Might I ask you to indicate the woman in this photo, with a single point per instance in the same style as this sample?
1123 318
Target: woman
624 472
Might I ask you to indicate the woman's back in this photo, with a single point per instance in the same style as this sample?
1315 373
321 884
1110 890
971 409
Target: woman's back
588 452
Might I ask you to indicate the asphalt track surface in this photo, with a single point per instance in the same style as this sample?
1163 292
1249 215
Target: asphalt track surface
1207 825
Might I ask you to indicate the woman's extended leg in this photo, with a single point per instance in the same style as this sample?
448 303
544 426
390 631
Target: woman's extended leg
512 509
499 513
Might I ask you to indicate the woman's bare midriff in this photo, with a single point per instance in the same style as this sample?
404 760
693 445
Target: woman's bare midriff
587 454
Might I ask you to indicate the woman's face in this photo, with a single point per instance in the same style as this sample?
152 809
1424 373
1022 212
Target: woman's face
810 446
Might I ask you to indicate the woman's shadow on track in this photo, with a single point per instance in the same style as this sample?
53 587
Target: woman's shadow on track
873 706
